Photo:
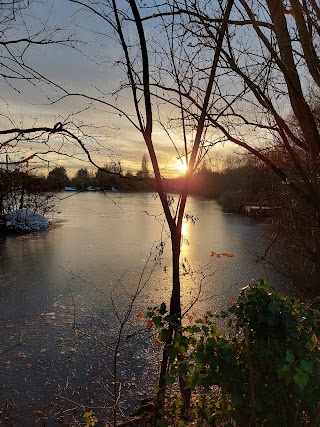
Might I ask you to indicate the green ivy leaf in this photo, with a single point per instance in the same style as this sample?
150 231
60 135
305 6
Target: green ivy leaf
169 379
163 308
164 335
162 423
306 366
156 389
157 320
301 378
290 357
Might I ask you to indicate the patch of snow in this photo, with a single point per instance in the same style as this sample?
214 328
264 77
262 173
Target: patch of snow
26 220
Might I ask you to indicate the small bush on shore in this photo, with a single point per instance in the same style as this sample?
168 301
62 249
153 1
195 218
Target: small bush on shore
264 371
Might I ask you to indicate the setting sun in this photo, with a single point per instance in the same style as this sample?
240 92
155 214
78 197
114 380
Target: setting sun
182 167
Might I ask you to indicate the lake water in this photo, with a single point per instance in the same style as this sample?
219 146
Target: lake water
64 290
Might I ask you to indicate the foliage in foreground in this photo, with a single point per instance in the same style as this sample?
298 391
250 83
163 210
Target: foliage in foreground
265 371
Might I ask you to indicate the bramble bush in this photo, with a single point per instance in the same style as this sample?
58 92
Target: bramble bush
264 371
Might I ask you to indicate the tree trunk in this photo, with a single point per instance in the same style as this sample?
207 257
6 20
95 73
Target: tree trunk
175 309
298 103
316 282
175 302
22 198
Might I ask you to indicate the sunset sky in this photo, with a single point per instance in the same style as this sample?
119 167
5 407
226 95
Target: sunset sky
86 62
85 68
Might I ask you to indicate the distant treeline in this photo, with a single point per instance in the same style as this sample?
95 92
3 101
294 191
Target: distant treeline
234 187
240 184
249 183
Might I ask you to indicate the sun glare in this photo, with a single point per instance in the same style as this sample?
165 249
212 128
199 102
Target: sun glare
182 167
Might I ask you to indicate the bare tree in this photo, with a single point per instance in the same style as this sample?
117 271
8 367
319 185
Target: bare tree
144 171
23 33
267 70
131 30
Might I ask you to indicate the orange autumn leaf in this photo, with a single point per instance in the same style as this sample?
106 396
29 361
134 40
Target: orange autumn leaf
149 324
190 318
228 255
157 343
215 254
141 316
231 300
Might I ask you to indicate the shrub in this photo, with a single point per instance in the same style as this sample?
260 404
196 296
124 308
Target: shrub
265 371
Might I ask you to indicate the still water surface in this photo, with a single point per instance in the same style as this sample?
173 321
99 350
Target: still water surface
60 291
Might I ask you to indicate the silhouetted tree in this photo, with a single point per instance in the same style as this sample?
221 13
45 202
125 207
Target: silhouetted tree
57 178
83 179
144 171
271 60
110 176
145 96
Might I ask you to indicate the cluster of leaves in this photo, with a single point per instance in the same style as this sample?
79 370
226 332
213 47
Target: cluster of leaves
264 371
90 419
